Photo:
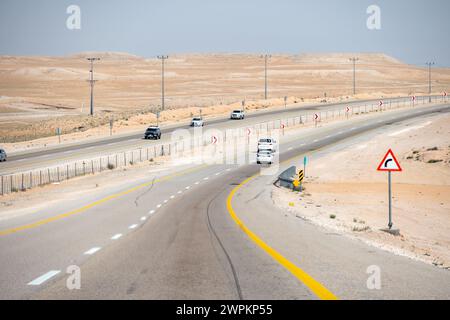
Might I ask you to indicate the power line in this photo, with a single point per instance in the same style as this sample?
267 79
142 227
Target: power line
92 82
266 58
354 73
162 58
429 64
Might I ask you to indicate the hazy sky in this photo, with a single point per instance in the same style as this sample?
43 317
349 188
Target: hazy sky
415 31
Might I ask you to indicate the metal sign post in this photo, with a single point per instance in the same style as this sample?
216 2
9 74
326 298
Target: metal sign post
389 164
390 200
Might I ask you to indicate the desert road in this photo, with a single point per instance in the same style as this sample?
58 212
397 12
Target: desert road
56 155
199 233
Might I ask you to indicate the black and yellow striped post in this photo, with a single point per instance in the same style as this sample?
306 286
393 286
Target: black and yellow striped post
301 176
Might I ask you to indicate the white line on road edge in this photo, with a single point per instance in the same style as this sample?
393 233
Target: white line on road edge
92 251
43 278
133 226
117 236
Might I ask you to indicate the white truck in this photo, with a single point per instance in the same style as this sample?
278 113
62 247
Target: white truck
267 144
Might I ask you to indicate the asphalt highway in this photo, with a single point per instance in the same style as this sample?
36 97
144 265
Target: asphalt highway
57 155
173 236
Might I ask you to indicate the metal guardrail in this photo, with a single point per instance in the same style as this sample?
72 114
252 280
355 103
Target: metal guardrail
286 178
22 181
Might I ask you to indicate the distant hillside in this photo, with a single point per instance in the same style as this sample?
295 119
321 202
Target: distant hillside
129 82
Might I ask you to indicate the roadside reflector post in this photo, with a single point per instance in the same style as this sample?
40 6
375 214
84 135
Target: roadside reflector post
58 133
390 164
305 161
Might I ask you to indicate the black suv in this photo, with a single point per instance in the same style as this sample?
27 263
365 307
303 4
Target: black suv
152 133
2 155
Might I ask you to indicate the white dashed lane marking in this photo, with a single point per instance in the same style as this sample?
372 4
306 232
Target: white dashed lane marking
143 218
159 205
133 226
151 212
117 236
92 251
43 278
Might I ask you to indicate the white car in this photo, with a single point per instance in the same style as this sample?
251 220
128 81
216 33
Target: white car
197 122
237 115
264 157
267 144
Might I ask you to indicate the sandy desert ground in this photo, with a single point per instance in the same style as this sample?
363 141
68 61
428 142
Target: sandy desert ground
346 194
40 94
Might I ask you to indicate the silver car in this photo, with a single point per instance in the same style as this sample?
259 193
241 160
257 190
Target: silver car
2 155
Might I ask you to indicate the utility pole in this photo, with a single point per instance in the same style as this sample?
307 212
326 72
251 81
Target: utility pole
92 82
162 58
429 64
354 73
266 58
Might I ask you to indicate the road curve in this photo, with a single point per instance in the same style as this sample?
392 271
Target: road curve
188 247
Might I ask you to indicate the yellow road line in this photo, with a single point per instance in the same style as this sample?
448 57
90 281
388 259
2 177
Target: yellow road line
96 203
316 287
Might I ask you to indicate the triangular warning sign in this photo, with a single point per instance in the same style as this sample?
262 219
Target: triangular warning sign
389 163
